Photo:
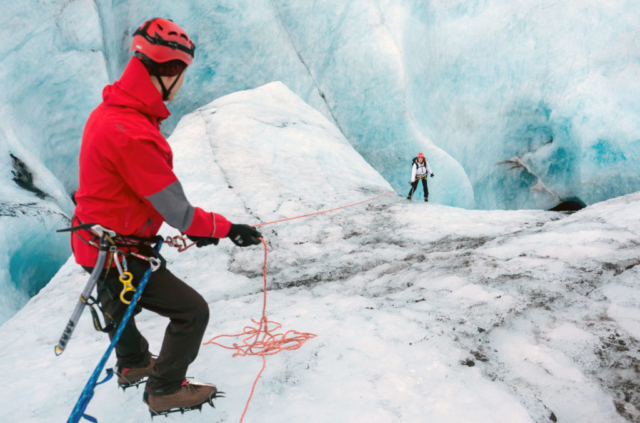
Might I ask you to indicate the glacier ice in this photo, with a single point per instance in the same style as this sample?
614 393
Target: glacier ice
422 311
553 83
33 204
30 251
470 83
52 69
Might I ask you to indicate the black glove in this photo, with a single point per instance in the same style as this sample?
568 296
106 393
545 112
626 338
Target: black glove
203 241
432 175
244 235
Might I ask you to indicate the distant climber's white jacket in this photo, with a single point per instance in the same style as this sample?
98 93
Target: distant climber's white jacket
420 169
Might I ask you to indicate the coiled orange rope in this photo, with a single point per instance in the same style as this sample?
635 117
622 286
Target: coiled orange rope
262 341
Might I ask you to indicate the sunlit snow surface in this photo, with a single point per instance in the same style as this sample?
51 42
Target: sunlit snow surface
403 296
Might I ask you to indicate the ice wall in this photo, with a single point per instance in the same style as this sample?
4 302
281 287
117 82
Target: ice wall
33 204
51 73
470 83
555 83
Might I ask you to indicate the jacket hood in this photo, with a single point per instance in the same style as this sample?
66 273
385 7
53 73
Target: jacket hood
135 90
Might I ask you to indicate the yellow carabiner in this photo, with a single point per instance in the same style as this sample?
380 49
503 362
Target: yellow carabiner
127 286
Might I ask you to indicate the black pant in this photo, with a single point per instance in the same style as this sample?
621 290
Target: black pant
168 296
425 188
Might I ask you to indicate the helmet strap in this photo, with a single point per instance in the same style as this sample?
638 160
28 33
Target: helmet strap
175 81
166 92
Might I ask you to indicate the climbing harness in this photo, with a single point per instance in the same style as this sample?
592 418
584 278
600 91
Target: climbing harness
108 242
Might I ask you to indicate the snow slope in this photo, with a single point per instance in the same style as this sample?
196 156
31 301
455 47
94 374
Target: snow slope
423 312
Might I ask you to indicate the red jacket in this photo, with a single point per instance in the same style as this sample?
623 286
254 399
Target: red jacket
127 182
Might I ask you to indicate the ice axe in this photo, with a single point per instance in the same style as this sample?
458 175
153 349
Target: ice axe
86 294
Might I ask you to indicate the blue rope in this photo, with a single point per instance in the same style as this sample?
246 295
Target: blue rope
107 378
88 391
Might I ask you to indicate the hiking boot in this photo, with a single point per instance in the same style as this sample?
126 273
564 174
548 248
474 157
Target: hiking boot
191 396
409 197
426 199
128 377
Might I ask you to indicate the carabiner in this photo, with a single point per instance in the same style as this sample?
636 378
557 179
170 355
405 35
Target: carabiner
119 264
128 287
154 263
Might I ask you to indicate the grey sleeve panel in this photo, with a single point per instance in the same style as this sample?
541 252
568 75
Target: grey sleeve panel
173 205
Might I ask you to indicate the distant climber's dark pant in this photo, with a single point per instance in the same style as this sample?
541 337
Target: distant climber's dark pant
414 186
168 296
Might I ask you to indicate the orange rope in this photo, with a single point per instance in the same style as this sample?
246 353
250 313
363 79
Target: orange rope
261 341
330 210
176 240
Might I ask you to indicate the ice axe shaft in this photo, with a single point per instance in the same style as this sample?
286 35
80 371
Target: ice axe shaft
82 301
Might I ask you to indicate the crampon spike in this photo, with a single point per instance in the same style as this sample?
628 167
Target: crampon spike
181 410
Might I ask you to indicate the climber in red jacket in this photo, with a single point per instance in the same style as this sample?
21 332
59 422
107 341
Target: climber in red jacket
127 185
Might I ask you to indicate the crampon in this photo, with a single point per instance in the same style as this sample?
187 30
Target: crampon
136 384
130 377
184 409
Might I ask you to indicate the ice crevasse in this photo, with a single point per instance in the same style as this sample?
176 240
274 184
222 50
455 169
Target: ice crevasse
467 315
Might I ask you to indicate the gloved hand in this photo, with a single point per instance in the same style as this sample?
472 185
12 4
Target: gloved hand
203 241
244 235
432 175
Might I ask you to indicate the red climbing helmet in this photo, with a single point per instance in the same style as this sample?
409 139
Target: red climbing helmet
161 40
421 155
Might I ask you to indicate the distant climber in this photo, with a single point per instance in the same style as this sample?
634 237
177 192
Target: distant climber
127 185
420 169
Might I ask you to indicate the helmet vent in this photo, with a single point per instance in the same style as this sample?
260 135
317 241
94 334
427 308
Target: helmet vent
163 41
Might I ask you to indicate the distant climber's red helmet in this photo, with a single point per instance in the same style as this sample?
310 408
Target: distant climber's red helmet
162 41
421 155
